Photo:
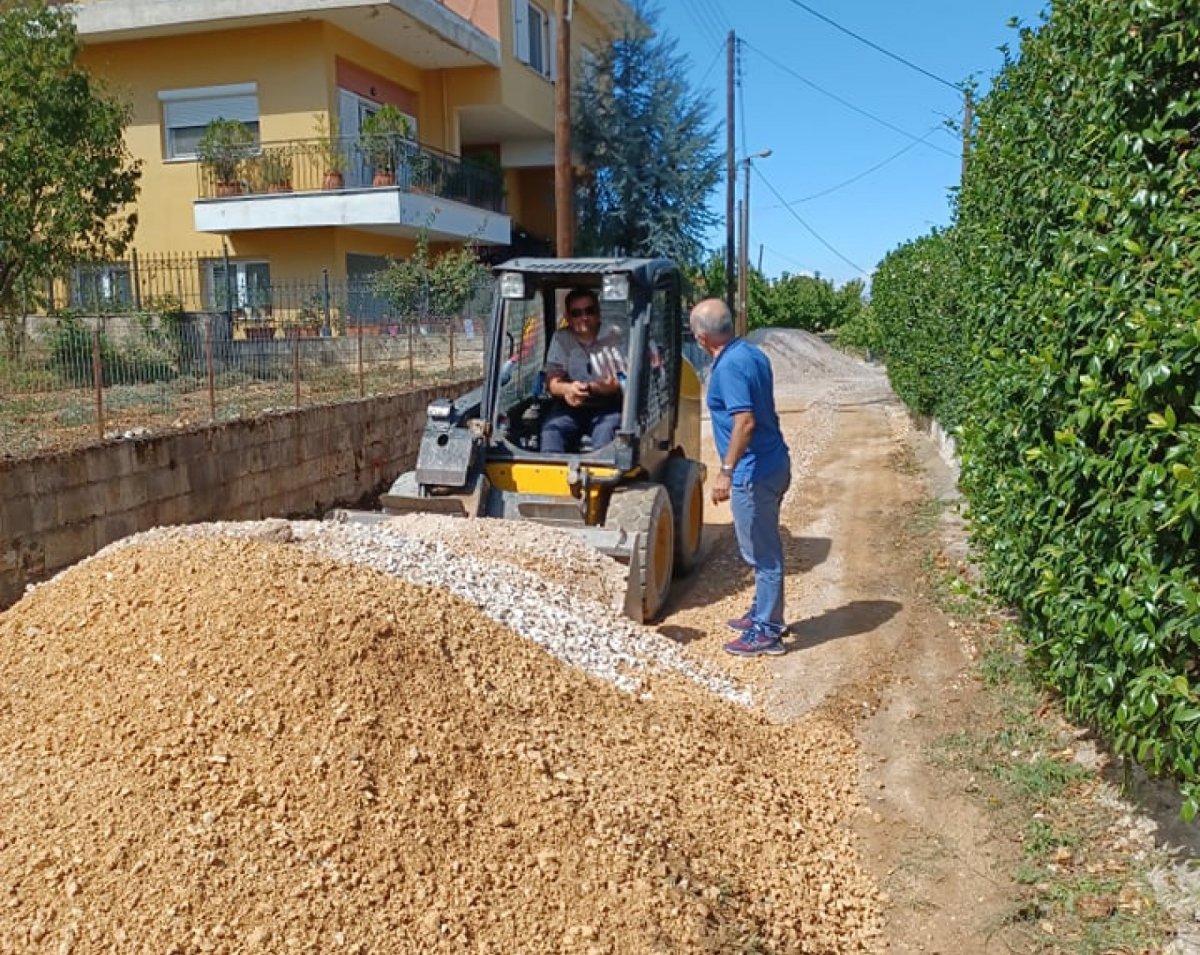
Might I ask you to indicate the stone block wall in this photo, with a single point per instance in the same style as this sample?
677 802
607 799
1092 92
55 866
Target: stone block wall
57 509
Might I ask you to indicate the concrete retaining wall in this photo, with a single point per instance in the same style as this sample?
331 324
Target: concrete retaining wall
58 509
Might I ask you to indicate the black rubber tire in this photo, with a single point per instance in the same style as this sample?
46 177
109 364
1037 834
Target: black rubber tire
645 510
686 489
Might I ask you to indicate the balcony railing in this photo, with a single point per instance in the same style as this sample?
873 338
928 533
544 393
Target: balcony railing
302 165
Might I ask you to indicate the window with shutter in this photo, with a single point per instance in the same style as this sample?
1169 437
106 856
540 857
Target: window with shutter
186 113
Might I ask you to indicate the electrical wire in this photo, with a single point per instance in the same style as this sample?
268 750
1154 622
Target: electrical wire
715 60
713 10
711 27
833 96
815 234
866 172
875 46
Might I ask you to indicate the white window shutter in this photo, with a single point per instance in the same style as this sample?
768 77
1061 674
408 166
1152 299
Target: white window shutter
521 30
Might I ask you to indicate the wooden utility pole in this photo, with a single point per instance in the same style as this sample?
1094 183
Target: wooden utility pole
564 187
730 173
968 120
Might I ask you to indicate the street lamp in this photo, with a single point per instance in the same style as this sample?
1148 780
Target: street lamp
743 263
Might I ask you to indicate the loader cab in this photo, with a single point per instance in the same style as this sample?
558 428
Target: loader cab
640 307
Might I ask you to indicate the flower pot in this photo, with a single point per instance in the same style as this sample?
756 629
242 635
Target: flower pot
225 189
333 180
279 187
384 179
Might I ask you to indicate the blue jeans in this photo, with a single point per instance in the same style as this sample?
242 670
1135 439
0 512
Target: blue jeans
564 426
755 506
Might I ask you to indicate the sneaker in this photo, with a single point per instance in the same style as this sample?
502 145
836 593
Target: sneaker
756 642
741 624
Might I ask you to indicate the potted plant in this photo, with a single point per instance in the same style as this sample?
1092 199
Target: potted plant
224 147
382 135
274 168
329 153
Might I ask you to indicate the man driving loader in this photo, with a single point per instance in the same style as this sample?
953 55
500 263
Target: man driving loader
585 369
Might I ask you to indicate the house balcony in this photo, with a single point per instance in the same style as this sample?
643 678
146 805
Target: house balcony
289 185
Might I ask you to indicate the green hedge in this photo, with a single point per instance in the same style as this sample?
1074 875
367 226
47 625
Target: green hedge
1077 248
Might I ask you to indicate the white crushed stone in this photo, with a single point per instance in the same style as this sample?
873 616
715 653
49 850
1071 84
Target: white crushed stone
575 628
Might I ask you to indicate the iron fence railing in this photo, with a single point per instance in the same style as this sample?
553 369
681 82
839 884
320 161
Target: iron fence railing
243 290
303 165
70 380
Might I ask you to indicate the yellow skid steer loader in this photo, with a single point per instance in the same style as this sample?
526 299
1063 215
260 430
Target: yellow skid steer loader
639 498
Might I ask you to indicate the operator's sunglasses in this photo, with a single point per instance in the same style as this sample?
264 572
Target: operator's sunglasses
585 310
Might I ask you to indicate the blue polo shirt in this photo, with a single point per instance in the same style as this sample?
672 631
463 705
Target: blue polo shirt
741 380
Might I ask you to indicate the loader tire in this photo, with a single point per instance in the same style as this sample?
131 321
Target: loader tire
686 489
645 510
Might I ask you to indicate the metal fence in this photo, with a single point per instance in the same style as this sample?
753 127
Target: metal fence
71 380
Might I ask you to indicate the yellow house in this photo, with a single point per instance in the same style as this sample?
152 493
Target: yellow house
474 78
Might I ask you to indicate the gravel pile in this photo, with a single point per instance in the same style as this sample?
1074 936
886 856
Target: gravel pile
218 743
541 582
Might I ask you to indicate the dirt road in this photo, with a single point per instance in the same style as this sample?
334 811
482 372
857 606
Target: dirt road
274 756
867 510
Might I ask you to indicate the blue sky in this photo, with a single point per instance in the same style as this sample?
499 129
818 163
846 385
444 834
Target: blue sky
817 143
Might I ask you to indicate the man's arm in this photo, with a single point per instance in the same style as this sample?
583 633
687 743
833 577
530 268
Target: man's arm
739 441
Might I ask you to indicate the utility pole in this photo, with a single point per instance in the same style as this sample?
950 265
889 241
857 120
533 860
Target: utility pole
739 318
564 187
730 172
740 322
968 120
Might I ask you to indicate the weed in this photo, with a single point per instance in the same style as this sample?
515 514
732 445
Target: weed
1086 895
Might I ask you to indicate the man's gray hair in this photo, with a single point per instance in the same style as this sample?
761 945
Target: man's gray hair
712 318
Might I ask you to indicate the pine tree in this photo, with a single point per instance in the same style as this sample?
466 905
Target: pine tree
647 148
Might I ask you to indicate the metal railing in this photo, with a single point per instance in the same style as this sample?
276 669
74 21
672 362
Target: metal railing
311 165
69 381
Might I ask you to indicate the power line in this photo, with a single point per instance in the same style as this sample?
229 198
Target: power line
710 25
875 46
848 104
866 172
716 58
816 235
714 10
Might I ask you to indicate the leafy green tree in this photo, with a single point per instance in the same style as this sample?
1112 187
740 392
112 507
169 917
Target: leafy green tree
66 177
644 137
427 285
1076 237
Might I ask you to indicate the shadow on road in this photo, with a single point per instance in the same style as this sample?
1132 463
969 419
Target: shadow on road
858 616
724 574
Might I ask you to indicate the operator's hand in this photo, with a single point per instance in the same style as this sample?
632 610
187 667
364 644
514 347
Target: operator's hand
575 393
722 487
605 387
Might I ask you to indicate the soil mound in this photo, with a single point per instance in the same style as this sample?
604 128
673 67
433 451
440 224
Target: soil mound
798 353
235 745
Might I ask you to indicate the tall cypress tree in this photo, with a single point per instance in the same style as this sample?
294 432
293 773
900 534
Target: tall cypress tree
647 147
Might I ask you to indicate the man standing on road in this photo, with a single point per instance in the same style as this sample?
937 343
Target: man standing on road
755 469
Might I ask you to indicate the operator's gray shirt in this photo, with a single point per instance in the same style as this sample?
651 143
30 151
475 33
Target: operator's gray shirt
601 359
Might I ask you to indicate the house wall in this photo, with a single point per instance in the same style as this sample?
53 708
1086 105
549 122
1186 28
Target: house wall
285 61
57 509
295 66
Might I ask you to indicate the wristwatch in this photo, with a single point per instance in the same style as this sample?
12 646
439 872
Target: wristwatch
726 469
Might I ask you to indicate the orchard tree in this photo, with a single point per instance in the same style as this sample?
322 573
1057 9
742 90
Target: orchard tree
647 147
66 177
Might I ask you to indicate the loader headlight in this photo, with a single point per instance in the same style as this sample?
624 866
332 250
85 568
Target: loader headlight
439 409
512 285
615 288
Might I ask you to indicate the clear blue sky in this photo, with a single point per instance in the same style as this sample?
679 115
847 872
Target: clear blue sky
817 142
